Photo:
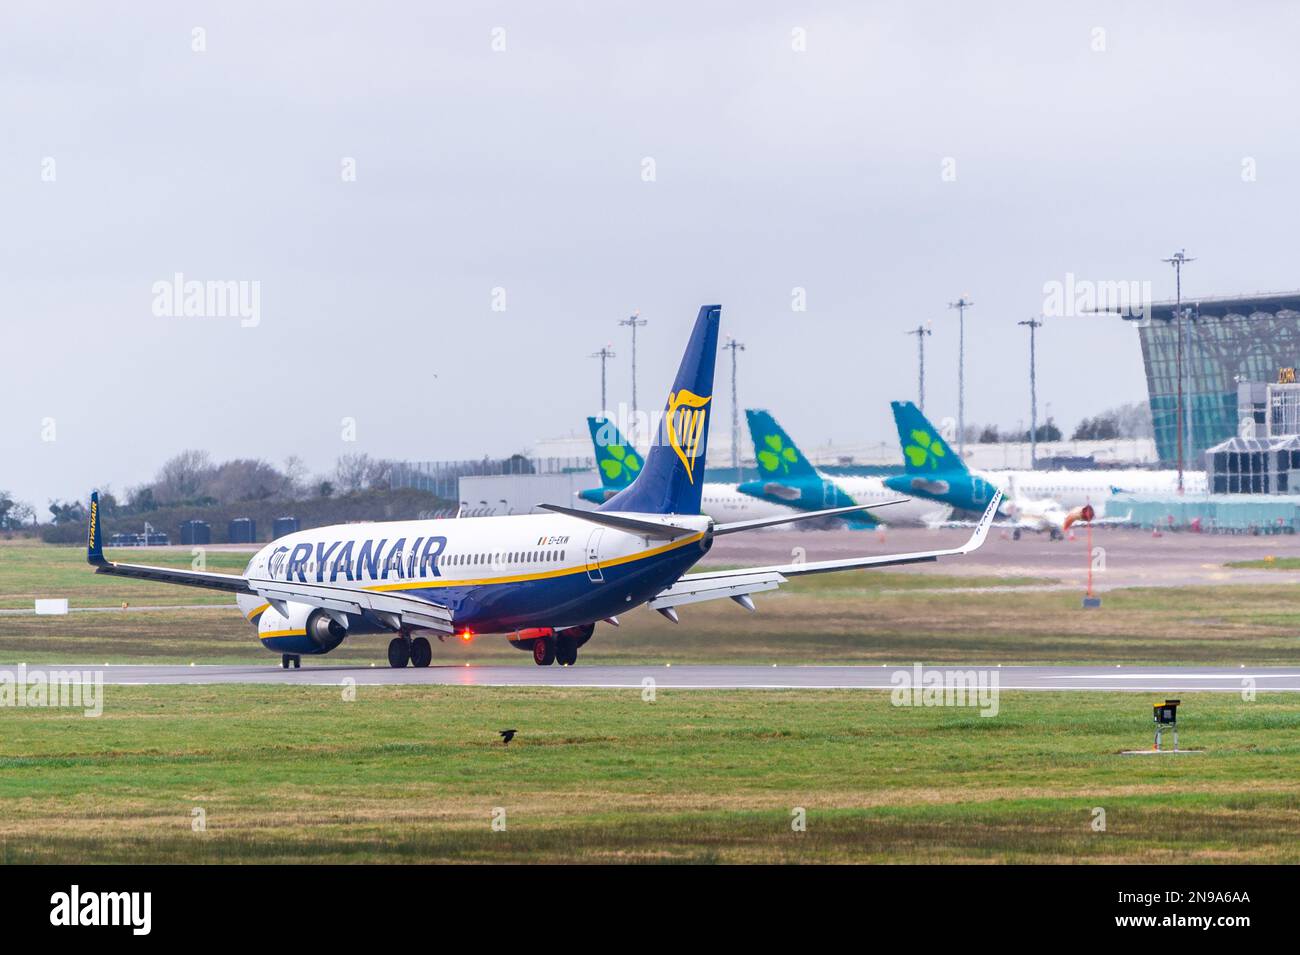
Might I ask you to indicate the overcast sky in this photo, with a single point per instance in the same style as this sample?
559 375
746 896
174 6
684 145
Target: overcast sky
1088 138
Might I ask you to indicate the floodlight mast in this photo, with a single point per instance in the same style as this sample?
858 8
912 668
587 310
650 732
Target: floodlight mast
735 346
1178 260
961 305
604 355
920 332
1034 324
634 321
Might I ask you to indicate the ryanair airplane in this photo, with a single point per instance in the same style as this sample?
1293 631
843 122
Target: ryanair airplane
544 580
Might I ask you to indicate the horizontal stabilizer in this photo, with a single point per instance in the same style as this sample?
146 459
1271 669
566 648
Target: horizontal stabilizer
735 526
633 525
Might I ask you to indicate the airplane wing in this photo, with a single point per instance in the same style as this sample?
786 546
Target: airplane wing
738 584
396 610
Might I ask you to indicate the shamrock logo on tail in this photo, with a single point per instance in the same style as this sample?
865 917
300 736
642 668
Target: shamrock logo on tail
620 462
777 455
926 448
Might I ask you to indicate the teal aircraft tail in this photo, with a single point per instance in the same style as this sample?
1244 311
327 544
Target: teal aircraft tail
924 449
931 468
778 457
786 476
616 460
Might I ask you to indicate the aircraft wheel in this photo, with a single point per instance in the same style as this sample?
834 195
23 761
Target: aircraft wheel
1015 535
284 660
297 662
544 651
399 653
421 652
566 651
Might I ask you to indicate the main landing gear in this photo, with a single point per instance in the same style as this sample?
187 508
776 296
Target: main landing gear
290 658
560 648
403 650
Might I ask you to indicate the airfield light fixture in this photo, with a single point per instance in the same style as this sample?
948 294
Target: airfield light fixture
1165 714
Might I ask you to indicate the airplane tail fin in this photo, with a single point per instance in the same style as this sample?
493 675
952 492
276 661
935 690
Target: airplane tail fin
778 457
924 449
616 460
95 537
673 477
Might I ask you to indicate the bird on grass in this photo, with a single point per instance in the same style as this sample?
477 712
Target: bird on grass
507 735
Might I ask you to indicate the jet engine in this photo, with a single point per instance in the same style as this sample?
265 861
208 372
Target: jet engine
305 629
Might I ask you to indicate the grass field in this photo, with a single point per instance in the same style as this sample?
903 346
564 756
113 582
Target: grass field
1267 563
416 773
867 617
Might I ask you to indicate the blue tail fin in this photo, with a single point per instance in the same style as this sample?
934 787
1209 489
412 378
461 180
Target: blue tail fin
616 460
95 535
924 449
673 477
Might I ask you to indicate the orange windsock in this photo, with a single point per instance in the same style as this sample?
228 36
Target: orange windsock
1085 514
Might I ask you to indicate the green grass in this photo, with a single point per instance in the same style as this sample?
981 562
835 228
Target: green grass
1267 563
415 773
864 617
30 569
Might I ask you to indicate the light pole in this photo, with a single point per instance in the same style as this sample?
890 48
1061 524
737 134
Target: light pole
1033 324
1178 260
920 332
961 305
604 355
735 346
635 321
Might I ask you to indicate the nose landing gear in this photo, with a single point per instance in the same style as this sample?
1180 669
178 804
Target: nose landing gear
290 658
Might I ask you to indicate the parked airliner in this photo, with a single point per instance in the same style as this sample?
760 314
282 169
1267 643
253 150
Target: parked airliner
933 470
785 474
545 580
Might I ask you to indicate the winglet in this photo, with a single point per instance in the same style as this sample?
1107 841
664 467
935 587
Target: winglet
95 537
982 528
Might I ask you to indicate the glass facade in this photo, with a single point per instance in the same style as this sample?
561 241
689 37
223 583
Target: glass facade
1225 342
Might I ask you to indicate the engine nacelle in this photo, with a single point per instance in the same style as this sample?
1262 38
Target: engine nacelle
304 629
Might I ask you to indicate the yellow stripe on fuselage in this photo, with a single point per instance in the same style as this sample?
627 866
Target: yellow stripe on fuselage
282 633
256 610
541 575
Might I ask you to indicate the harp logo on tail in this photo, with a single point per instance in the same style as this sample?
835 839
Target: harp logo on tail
686 423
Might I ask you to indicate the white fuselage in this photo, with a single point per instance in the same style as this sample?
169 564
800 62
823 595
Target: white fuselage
725 504
1074 488
872 490
494 572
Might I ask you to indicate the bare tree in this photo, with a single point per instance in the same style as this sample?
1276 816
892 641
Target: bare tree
352 471
182 477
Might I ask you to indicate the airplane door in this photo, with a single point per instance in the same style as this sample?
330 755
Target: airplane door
828 494
979 490
593 557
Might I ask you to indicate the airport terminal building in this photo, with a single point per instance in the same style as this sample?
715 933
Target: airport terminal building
1226 342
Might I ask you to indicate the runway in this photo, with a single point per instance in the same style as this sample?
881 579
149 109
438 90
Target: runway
1074 678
